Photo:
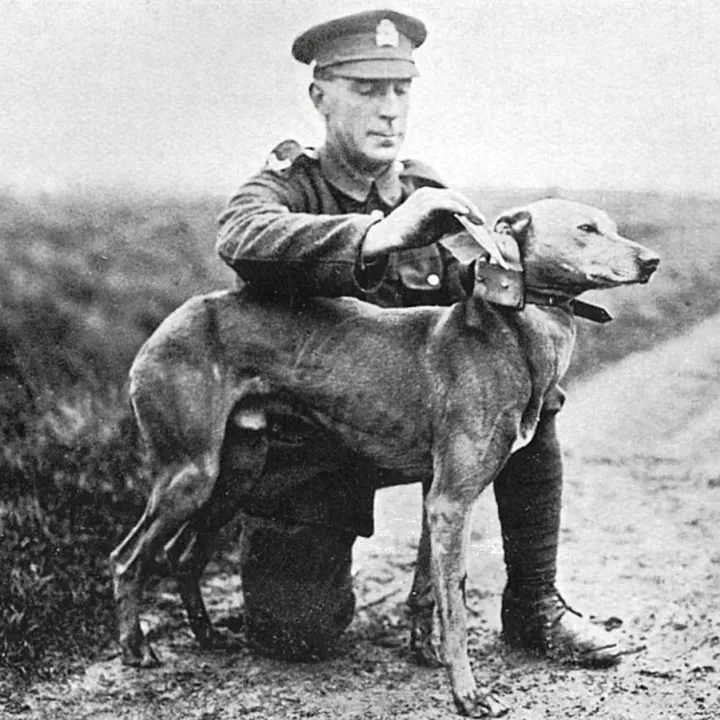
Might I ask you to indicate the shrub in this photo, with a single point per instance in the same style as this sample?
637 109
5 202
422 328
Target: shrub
71 490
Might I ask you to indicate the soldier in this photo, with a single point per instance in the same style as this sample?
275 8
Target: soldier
349 219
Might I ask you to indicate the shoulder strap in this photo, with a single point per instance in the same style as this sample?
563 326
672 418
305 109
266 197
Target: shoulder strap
284 155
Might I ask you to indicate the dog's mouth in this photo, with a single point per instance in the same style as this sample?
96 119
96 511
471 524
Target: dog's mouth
640 273
609 280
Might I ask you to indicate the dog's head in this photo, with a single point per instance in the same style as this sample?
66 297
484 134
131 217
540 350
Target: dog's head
567 248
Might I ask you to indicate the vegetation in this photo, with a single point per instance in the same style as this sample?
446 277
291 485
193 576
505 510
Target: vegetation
84 280
70 489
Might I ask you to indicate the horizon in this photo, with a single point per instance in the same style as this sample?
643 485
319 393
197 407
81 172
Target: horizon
123 191
190 99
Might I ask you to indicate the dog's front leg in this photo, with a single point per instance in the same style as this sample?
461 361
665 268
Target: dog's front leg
449 512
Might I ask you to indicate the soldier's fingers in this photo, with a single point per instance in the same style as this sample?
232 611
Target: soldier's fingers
471 211
449 201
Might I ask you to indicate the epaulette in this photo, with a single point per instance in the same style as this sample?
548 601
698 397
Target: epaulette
285 154
415 168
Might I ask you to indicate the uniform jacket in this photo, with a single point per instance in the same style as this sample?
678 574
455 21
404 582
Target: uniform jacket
296 228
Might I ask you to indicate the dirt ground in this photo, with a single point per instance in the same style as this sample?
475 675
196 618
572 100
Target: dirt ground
639 546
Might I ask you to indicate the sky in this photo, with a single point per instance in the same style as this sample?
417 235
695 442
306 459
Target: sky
186 96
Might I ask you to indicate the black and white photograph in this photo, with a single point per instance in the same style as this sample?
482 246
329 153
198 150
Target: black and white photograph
359 359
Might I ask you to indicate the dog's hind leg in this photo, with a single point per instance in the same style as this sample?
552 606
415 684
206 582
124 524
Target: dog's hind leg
188 552
178 495
242 462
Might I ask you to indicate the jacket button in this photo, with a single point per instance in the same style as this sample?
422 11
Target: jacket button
433 280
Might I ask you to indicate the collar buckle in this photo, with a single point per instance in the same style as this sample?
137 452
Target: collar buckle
499 286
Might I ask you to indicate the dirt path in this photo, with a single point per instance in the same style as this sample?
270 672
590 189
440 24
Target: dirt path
639 543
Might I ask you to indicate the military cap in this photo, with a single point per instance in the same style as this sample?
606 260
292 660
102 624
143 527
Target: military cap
377 44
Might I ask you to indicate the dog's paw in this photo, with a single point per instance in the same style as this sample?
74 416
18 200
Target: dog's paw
475 705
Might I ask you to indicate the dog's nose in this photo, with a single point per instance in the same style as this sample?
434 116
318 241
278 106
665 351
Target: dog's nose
648 262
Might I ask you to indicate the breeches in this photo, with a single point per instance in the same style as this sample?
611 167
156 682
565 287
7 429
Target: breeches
302 517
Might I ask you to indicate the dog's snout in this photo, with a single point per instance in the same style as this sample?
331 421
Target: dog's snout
648 262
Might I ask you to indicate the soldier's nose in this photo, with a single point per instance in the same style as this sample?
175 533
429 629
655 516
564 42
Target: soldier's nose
390 105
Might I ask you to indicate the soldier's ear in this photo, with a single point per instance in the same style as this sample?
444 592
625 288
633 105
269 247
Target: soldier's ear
322 96
515 223
317 94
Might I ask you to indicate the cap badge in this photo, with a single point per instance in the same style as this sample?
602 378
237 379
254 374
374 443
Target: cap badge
386 34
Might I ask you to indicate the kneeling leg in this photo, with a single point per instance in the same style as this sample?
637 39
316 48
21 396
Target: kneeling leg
297 587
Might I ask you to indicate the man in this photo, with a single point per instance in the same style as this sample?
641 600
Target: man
349 219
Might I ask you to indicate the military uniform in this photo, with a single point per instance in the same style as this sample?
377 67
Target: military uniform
306 214
294 230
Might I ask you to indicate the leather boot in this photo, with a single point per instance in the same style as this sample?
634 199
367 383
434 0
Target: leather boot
529 499
550 627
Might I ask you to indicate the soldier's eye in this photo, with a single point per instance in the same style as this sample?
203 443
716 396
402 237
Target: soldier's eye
586 227
363 88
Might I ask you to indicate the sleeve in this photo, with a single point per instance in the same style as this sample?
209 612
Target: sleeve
274 246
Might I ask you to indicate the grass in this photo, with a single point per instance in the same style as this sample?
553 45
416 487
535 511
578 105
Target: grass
85 279
83 282
70 490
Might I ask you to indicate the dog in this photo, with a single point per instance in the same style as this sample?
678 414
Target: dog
443 395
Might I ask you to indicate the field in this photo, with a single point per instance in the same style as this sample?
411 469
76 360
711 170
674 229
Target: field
84 279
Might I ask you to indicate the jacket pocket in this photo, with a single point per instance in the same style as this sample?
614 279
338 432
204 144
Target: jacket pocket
420 269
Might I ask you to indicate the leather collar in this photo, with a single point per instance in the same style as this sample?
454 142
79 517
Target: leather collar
582 309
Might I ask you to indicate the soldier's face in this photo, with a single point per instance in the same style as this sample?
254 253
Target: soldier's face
365 119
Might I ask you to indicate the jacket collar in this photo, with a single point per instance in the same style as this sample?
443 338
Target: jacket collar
337 171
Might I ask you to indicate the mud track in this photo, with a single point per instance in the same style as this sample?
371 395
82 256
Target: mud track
639 550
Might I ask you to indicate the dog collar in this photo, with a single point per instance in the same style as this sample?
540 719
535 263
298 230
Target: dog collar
507 288
499 278
582 309
595 313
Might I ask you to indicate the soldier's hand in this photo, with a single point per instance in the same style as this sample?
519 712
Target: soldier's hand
414 224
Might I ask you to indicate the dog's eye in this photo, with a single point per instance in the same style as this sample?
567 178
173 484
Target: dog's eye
588 228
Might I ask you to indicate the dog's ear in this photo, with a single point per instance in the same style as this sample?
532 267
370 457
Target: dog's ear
515 223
